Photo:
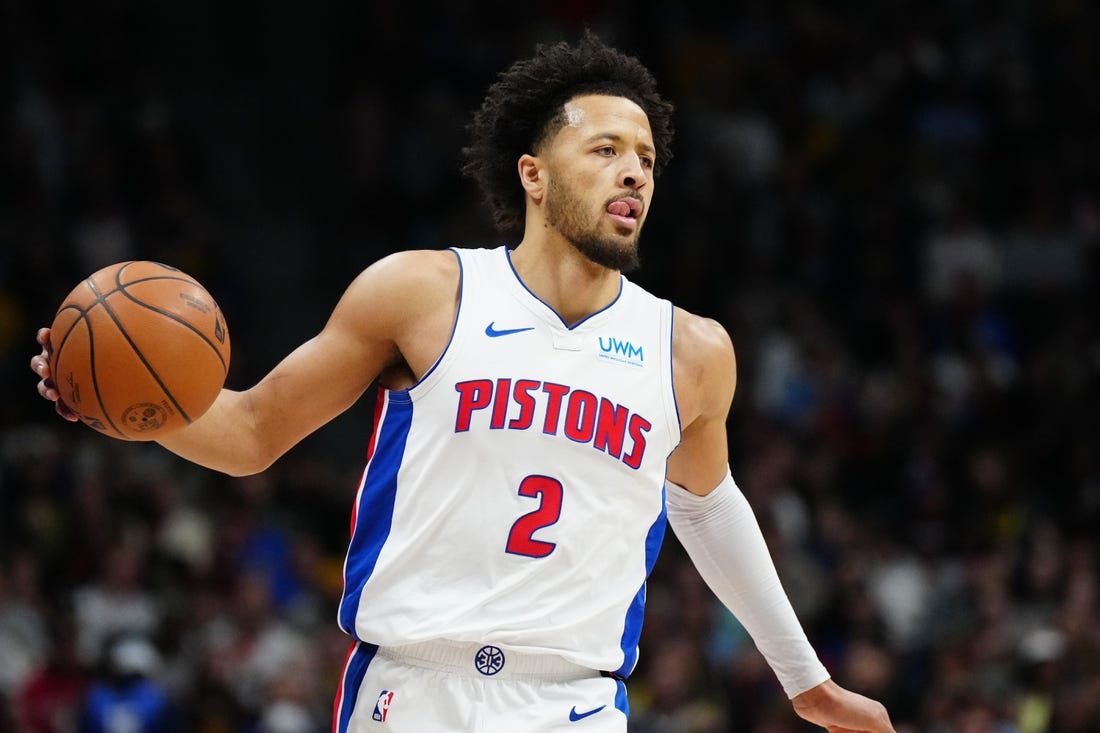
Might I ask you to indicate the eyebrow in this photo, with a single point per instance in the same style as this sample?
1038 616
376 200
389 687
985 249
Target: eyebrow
615 137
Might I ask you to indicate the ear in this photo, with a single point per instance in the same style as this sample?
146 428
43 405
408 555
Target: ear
531 176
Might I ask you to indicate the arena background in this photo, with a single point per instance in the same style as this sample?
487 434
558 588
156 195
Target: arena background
893 207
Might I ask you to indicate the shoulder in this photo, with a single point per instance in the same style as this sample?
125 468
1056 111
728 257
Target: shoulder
398 290
407 277
704 364
701 342
413 267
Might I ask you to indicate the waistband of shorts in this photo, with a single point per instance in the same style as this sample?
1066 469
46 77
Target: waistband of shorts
486 660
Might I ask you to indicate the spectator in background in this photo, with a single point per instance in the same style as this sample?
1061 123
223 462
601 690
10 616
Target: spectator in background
114 602
248 649
961 253
50 699
256 153
24 633
126 697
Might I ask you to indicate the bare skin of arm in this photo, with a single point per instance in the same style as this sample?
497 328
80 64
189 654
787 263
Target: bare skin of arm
705 371
390 325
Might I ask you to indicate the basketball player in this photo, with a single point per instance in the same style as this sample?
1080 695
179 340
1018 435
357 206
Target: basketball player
539 418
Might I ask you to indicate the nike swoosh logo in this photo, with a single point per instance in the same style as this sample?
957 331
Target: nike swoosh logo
574 716
494 333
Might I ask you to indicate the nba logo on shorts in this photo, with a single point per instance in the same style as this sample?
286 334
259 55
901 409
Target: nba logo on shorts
382 707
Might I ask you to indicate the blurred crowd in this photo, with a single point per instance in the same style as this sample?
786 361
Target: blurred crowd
893 207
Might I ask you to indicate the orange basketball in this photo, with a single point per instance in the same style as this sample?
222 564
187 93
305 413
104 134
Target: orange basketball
139 350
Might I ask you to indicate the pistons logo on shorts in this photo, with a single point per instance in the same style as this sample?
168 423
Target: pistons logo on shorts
489 660
382 707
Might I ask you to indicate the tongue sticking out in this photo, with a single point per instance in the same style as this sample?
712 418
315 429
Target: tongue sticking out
619 208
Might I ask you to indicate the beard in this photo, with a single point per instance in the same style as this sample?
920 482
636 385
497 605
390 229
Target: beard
565 211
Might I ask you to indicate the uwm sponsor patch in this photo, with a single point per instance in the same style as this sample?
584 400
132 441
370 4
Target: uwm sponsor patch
553 409
620 350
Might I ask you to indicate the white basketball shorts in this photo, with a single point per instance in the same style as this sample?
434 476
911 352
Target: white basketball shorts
442 687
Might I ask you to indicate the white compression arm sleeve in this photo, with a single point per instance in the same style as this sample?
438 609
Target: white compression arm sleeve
723 539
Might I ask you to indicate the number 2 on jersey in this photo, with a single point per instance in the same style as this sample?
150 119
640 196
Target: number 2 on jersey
549 493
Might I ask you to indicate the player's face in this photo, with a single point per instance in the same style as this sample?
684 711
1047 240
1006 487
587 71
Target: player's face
599 192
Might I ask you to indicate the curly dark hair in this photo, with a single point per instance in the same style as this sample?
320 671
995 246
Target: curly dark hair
526 105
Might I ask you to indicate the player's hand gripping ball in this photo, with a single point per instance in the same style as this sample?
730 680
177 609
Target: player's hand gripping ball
139 350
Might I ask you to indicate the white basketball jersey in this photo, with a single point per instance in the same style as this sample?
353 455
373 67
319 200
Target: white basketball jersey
515 495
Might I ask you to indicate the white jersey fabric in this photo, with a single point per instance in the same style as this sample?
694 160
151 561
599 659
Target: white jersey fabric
515 495
433 688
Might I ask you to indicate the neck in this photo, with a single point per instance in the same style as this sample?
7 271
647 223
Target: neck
563 278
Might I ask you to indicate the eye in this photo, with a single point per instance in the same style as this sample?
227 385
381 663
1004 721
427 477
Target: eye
647 161
606 151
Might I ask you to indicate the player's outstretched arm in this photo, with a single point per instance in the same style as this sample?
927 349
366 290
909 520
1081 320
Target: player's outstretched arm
366 333
245 431
719 531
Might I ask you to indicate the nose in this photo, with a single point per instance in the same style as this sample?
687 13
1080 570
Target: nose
633 175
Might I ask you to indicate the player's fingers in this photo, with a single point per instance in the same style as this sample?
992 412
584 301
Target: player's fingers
65 412
47 389
877 724
40 365
61 408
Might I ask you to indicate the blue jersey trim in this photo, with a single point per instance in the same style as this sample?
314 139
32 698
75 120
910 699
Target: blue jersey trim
354 672
632 630
508 255
374 515
454 326
622 704
671 368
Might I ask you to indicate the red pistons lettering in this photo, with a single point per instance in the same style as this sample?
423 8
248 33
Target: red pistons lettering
555 409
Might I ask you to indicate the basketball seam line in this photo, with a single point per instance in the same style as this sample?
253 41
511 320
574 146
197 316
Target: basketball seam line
137 351
173 317
91 365
122 288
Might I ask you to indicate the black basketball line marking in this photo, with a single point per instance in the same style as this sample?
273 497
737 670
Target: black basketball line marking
121 287
91 367
180 275
173 317
123 267
147 278
95 379
65 338
148 366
